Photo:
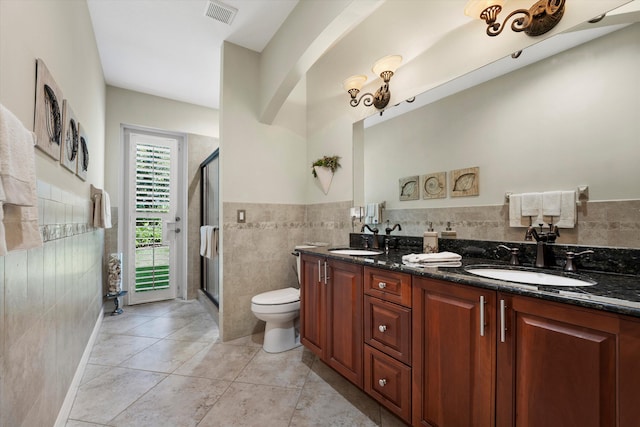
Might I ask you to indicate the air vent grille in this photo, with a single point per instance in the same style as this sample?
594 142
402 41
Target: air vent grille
220 12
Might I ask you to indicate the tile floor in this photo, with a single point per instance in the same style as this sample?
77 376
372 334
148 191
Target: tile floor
162 364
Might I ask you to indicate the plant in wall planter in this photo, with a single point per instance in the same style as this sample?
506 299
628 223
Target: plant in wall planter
323 169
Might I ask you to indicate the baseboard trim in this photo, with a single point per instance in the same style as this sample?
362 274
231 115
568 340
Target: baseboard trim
65 410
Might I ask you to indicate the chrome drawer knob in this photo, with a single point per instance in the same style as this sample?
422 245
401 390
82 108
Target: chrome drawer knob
382 328
382 285
382 382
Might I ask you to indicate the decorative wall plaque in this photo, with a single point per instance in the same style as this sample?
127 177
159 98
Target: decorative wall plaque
434 185
410 188
465 182
83 154
48 112
70 138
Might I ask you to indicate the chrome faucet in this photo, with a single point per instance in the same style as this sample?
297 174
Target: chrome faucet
544 254
389 230
376 244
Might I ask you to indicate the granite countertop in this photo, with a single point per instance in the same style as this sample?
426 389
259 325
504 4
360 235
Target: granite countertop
613 292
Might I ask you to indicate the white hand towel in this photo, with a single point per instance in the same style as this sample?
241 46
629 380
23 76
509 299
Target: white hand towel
203 240
551 201
568 210
532 207
433 264
515 212
106 210
17 162
439 257
21 227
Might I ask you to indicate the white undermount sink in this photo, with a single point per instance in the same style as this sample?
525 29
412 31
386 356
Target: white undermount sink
354 252
527 276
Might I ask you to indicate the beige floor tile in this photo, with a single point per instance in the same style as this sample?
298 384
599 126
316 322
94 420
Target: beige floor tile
164 356
252 405
176 401
153 309
115 349
93 371
286 369
201 330
218 361
104 397
334 409
255 340
159 327
121 323
74 423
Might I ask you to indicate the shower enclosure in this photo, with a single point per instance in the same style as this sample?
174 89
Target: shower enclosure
210 215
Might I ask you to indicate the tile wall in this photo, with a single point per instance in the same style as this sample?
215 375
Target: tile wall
51 299
257 253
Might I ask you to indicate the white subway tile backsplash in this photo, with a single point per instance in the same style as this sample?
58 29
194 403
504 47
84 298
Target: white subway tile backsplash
56 194
43 189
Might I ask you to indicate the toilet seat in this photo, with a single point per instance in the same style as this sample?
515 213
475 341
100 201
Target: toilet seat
277 297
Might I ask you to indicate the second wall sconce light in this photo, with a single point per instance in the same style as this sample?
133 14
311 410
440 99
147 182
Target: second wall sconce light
537 20
384 67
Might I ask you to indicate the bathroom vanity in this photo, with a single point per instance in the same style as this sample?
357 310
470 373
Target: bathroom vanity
441 347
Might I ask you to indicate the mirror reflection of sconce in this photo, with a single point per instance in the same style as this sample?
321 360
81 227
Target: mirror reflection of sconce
384 67
537 20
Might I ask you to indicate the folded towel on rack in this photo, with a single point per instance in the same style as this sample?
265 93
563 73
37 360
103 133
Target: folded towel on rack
203 239
209 241
439 257
101 210
19 228
532 207
551 201
17 161
515 212
568 210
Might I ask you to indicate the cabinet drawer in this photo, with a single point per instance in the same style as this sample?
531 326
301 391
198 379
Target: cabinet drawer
388 285
387 327
388 381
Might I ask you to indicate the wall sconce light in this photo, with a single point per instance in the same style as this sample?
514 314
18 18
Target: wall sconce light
540 18
384 67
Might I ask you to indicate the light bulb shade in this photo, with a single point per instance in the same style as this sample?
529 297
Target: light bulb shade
474 8
354 82
388 63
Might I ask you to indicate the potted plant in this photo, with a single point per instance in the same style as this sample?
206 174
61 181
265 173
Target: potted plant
323 169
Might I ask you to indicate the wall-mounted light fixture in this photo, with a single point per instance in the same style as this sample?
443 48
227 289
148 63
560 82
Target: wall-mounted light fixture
537 20
384 67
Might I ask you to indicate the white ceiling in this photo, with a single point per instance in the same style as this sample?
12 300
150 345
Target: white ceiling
169 48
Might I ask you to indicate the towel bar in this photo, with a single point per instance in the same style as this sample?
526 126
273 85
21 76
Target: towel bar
582 195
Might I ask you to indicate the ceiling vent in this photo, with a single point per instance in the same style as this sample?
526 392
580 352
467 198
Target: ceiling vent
220 11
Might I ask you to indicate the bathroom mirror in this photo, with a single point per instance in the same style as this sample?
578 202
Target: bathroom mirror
554 124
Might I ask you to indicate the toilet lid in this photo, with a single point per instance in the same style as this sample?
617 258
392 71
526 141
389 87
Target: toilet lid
281 296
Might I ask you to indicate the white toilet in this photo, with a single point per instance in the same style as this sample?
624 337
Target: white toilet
279 309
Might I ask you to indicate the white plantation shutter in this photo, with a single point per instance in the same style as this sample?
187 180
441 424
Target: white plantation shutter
153 167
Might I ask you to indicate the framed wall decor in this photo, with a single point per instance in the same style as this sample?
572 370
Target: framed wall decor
48 112
434 185
410 188
70 138
465 182
83 154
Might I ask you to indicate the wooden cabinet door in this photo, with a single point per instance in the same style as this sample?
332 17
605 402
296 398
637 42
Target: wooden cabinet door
556 366
454 338
344 342
312 304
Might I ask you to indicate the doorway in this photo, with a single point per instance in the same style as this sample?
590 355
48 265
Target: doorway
154 215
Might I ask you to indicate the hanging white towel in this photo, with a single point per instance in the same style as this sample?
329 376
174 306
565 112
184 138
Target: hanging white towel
203 240
568 210
17 162
19 228
515 212
532 207
106 210
551 201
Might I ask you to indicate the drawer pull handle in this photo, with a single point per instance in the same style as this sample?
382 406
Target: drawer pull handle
382 382
382 285
382 328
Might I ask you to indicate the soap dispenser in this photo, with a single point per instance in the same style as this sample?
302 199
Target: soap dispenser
430 241
448 233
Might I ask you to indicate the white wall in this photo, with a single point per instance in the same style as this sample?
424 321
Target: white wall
31 30
259 163
138 109
569 120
